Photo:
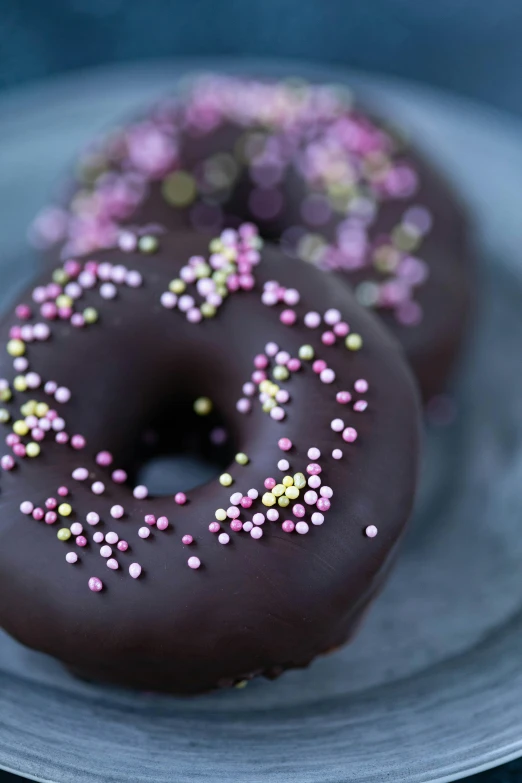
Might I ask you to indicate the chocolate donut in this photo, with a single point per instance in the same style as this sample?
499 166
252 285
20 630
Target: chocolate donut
255 572
329 183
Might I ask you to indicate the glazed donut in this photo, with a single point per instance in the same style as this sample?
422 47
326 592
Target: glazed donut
329 183
203 588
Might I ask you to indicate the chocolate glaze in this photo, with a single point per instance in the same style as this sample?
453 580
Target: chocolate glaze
253 606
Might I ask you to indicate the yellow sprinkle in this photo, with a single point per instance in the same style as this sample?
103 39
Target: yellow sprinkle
280 373
225 479
207 310
353 342
278 490
288 481
16 347
4 415
64 509
299 480
241 458
222 290
41 409
64 534
283 501
203 406
221 514
306 353
20 428
219 277
203 270
32 449
179 189
20 383
215 245
229 253
264 386
64 301
5 395
177 286
268 499
90 315
148 243
61 277
292 493
28 408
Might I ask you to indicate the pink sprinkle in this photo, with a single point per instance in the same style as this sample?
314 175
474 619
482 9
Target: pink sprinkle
150 519
350 435
38 514
288 526
298 510
236 525
343 397
285 444
294 365
7 462
19 449
323 504
78 442
98 537
49 311
104 458
77 320
318 366
26 507
140 492
328 338
180 498
272 514
258 376
187 540
302 528
95 584
271 349
144 532
119 476
246 502
117 512
313 469
98 488
50 517
312 320
92 518
111 538
62 438
23 312
288 317
327 376
37 434
12 439
123 546
135 570
361 386
112 564
81 541
214 527
50 387
371 531
80 474
76 528
163 523
341 329
260 361
337 454
63 492
243 405
71 557
360 406
256 532
270 483
194 562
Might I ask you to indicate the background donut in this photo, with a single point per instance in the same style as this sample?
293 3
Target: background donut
333 186
206 588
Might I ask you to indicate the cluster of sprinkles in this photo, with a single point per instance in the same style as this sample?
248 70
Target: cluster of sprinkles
349 165
294 497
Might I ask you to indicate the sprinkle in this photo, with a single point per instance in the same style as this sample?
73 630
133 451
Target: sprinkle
298 510
104 458
16 347
236 525
64 534
327 375
350 435
148 244
214 527
98 537
71 557
194 562
65 509
80 474
247 527
187 540
105 551
233 512
112 564
38 514
353 342
314 482
299 480
243 405
203 406
312 320
285 444
258 519
117 512
288 526
253 494
337 454
361 386
272 514
313 453
119 476
78 442
50 518
62 394
223 538
225 479
95 584
63 492
241 458
337 425
269 483
283 464
123 546
343 397
163 523
140 492
256 532
7 462
76 528
180 498
135 570
317 518
98 488
326 492
246 502
81 541
268 499
168 300
92 518
332 317
112 538
288 317
90 315
360 406
306 353
271 349
313 469
310 497
236 498
371 531
144 532
302 528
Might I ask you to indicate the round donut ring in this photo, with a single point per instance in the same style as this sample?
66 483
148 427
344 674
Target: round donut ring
329 183
259 570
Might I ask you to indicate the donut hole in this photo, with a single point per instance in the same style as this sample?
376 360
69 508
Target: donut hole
178 450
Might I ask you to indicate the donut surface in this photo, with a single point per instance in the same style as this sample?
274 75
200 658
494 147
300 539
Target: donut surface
321 177
257 571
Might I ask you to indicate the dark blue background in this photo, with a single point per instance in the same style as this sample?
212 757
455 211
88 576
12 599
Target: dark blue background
470 46
473 47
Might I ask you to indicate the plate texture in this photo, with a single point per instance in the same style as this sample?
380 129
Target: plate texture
431 689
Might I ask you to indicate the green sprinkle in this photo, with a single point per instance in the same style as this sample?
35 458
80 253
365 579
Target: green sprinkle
354 342
203 406
64 534
306 352
90 315
148 244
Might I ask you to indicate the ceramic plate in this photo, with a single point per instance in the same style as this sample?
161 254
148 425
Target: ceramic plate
431 690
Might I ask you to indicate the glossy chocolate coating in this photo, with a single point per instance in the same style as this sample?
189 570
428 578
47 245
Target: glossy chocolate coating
254 606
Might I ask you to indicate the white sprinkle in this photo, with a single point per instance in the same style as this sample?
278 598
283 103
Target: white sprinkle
80 474
105 551
302 528
223 538
71 557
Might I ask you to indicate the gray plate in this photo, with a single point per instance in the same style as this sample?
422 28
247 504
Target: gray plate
431 690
